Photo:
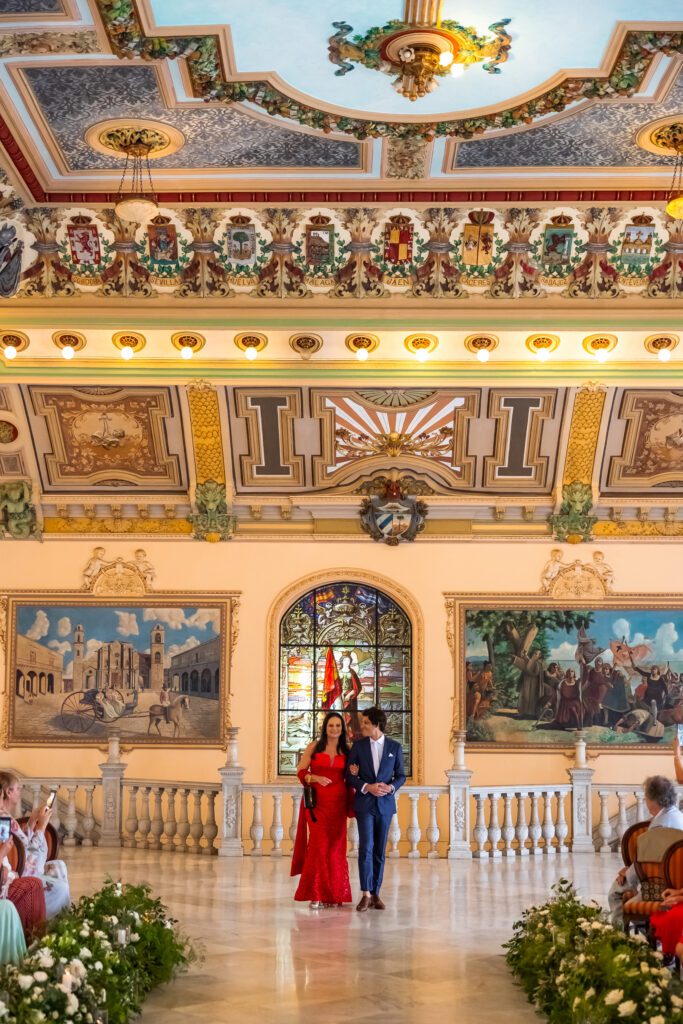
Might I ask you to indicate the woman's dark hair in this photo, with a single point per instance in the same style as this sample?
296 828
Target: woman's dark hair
376 716
343 745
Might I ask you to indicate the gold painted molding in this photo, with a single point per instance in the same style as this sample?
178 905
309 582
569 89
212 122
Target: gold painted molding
637 528
207 438
583 434
109 526
288 597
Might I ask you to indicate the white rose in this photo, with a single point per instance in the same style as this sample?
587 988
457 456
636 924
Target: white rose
84 933
25 981
98 965
71 1004
85 954
44 959
613 997
596 926
657 1020
134 937
589 994
628 1008
577 1002
644 968
40 975
114 920
677 1001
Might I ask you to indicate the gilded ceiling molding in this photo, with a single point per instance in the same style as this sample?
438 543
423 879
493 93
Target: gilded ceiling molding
205 63
637 529
110 525
206 432
583 434
24 44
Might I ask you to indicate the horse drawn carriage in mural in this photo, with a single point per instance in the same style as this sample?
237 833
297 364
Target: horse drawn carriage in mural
81 709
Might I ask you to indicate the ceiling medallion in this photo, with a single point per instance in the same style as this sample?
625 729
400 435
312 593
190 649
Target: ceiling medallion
661 345
251 343
421 345
481 345
8 432
188 343
69 342
665 136
129 343
362 344
420 49
306 345
395 398
12 342
119 135
600 345
541 345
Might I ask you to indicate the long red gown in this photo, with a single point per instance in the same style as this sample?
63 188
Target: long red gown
320 859
668 927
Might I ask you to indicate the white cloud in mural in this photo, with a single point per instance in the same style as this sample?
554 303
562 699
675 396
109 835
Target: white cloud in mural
64 626
664 644
128 624
63 646
563 652
174 649
175 618
204 617
40 627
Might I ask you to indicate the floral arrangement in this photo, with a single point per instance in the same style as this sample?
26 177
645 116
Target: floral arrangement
97 962
578 969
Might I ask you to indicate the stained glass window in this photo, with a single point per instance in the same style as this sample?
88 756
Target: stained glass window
343 647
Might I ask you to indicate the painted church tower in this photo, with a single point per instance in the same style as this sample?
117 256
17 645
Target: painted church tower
78 648
157 643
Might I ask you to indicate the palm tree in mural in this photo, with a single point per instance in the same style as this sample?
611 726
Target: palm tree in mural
240 238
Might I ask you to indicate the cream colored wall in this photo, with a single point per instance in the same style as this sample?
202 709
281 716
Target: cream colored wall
263 570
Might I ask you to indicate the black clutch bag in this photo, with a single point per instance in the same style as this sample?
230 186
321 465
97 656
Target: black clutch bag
309 798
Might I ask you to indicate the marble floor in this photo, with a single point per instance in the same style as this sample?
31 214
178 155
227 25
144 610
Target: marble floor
433 956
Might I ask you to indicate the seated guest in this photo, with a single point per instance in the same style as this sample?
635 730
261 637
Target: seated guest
12 944
52 874
667 924
25 893
662 803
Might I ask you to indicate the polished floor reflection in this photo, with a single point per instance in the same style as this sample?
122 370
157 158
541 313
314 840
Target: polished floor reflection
433 956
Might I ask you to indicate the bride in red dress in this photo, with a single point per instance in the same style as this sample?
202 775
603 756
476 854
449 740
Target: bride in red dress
320 856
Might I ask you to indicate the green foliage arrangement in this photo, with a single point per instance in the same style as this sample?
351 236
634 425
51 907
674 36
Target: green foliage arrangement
578 969
78 969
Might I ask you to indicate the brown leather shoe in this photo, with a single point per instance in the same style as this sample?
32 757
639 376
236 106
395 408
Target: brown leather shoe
377 903
365 902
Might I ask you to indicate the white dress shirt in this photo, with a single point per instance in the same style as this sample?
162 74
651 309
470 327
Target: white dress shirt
376 749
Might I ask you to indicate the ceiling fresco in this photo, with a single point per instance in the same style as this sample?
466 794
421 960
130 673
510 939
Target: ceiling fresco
259 118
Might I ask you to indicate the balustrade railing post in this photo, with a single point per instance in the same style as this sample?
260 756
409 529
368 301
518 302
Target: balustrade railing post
459 776
548 823
622 820
231 782
183 828
605 826
256 828
170 825
508 829
414 832
394 833
561 827
494 825
210 826
480 830
582 800
144 821
276 830
112 772
521 827
352 837
534 826
294 824
132 817
197 825
70 821
88 816
157 828
433 832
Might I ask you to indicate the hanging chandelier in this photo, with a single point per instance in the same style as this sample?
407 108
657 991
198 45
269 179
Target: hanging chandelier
674 141
135 200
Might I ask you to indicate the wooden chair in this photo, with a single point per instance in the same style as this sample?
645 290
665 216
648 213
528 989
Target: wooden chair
51 834
629 841
673 866
17 856
637 910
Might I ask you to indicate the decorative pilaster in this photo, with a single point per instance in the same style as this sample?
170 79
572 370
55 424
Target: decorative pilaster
231 777
582 810
112 772
459 803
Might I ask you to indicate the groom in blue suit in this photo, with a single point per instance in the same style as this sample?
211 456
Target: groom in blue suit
380 773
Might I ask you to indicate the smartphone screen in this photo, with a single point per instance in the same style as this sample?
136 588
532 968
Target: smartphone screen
5 829
679 730
51 799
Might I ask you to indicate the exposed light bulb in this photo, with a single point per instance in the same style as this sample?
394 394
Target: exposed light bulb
483 355
250 353
664 354
543 355
10 352
422 355
602 355
186 352
68 352
446 59
362 354
127 352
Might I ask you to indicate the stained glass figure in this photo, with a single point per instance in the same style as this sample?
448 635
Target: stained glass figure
345 647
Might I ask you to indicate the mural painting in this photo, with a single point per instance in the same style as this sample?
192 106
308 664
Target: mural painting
536 675
79 670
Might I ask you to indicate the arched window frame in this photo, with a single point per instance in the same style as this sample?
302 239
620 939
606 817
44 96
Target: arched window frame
295 592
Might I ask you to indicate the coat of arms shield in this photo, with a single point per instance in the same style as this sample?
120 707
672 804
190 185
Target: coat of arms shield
393 521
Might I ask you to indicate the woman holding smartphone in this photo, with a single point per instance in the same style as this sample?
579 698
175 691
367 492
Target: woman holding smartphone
52 874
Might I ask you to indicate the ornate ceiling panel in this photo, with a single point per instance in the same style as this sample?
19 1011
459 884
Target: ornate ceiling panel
98 440
644 444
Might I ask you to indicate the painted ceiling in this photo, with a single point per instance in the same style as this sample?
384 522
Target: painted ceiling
558 119
488 461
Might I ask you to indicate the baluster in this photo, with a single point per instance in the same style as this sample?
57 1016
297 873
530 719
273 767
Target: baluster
70 821
296 806
256 830
622 814
561 827
183 829
414 832
276 830
494 826
394 834
210 828
433 832
508 829
55 817
36 789
548 823
352 837
157 818
641 807
132 819
605 826
480 830
196 828
88 819
535 826
170 825
521 827
144 822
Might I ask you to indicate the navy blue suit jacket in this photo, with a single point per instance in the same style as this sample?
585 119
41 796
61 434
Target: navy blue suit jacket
391 772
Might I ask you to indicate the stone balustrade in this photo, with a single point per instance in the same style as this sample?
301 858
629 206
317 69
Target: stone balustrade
73 809
179 817
534 821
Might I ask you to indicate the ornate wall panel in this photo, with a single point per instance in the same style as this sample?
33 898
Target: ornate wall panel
644 447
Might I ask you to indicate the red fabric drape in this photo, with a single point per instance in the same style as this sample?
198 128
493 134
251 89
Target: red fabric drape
331 682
